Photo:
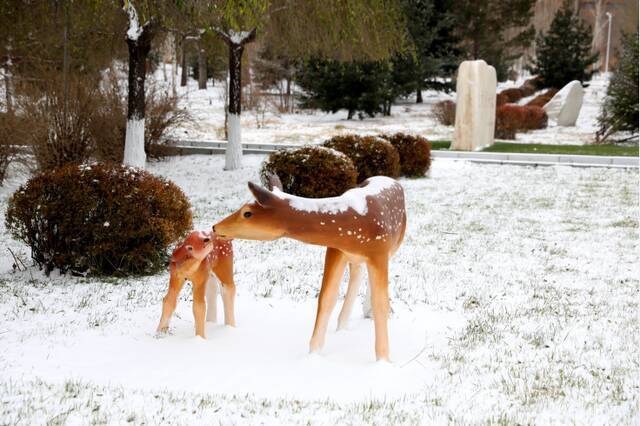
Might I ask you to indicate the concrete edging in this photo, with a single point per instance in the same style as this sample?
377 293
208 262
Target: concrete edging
187 147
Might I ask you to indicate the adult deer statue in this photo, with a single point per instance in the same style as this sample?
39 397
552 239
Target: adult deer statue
365 225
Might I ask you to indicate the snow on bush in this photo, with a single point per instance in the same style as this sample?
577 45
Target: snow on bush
371 155
103 219
311 171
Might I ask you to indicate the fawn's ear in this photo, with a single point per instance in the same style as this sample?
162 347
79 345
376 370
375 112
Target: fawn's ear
263 197
274 181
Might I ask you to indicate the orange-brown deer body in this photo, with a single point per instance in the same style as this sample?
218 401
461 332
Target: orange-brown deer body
364 225
199 256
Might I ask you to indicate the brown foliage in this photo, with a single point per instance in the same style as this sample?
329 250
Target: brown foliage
372 156
8 149
311 171
444 112
509 96
58 134
414 151
542 99
513 118
104 219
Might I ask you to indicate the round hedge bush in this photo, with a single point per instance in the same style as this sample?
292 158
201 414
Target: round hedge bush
102 219
311 171
371 155
414 151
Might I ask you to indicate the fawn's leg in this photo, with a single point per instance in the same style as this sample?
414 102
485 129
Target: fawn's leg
224 271
378 277
211 295
199 285
334 265
355 275
170 301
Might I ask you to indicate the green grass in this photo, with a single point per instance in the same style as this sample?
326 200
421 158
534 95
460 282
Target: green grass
532 148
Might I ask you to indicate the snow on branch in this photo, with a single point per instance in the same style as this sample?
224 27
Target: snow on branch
135 30
236 37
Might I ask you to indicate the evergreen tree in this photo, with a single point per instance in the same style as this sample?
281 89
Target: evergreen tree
564 53
358 87
620 109
430 26
494 30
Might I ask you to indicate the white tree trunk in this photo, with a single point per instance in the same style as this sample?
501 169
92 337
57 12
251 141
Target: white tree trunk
134 144
233 154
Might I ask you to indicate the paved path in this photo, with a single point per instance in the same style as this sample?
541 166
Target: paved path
186 147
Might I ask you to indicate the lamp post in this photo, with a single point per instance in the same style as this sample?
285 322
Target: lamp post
606 61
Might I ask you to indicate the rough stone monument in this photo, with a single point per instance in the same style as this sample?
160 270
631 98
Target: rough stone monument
564 107
475 106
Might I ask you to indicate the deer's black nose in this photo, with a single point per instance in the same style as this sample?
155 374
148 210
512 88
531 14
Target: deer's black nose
206 240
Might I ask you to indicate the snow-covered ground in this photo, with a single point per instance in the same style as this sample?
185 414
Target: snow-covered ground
514 296
266 125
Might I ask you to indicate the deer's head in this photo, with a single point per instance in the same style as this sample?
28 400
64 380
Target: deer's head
263 219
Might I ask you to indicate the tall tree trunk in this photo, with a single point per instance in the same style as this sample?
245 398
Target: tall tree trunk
288 101
235 43
7 80
419 95
174 67
65 63
139 48
233 156
183 61
202 67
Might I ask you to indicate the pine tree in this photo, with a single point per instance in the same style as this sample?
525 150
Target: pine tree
358 87
620 109
430 26
494 30
564 53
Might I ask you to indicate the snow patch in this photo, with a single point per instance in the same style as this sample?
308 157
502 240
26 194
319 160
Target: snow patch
355 198
134 144
239 36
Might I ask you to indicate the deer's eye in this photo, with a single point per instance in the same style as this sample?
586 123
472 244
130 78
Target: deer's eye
247 214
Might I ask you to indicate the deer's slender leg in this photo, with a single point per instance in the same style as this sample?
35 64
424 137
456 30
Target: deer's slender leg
355 277
212 298
224 271
366 302
199 285
378 277
334 265
170 301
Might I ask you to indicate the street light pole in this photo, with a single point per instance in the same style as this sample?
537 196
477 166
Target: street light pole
606 62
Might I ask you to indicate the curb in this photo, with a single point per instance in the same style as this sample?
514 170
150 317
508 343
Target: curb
188 147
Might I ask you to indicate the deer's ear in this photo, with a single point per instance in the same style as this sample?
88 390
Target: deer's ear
274 181
263 197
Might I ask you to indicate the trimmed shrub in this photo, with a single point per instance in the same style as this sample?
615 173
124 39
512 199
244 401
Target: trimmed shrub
542 99
311 171
444 112
414 151
510 96
529 87
372 156
513 118
103 219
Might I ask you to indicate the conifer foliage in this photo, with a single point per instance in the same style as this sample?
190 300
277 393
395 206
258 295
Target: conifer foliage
564 53
620 110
